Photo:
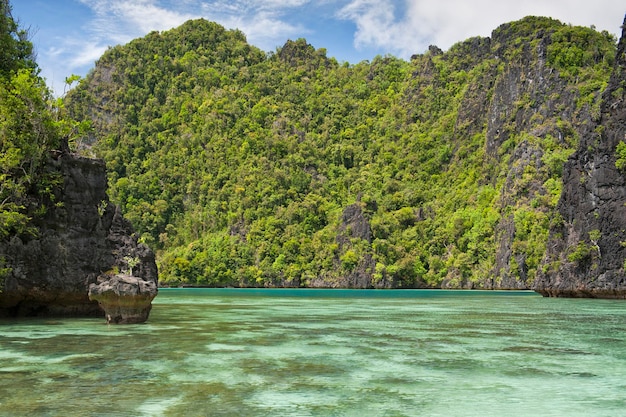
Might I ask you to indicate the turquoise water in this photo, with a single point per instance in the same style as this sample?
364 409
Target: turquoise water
212 352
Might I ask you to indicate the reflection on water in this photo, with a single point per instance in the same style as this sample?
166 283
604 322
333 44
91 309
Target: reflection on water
324 353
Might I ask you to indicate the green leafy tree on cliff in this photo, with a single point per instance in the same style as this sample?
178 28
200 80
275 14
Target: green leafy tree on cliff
28 130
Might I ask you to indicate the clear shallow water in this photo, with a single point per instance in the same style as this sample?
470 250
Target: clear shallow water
208 352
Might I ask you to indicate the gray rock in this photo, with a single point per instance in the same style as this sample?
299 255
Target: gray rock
125 299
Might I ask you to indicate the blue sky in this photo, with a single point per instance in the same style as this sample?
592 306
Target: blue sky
70 35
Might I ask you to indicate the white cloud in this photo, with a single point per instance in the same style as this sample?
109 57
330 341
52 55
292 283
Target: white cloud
118 21
267 31
147 17
374 20
76 53
445 22
263 22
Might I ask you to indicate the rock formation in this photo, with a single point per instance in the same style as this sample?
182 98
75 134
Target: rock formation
125 299
586 252
516 69
81 237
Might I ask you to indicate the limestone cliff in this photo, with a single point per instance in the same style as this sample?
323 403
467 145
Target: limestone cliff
80 238
528 113
586 251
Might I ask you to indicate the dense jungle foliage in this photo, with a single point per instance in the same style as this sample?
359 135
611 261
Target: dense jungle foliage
246 168
30 127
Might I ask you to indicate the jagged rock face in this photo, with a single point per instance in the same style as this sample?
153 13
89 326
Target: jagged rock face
531 77
125 299
586 254
490 107
79 239
355 225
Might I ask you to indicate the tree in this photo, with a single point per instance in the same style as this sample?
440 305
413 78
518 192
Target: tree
16 51
28 130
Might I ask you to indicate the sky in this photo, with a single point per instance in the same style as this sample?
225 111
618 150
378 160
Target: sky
70 35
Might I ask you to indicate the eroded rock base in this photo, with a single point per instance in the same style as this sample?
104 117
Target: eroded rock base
125 299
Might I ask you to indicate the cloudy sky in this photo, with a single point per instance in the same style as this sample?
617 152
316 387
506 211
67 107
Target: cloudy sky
69 35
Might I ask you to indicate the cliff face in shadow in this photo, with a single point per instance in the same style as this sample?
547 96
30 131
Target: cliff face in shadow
586 251
81 237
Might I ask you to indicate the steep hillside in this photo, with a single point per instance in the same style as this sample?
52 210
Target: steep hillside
249 169
586 254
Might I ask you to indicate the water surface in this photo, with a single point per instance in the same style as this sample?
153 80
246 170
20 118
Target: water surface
228 352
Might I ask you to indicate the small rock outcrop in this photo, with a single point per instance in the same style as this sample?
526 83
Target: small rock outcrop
586 253
125 299
81 238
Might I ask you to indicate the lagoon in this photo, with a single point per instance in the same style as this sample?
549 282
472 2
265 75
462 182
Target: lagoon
308 352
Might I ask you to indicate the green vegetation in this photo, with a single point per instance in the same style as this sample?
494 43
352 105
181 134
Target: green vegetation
237 166
27 133
581 253
16 52
132 262
29 129
620 162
